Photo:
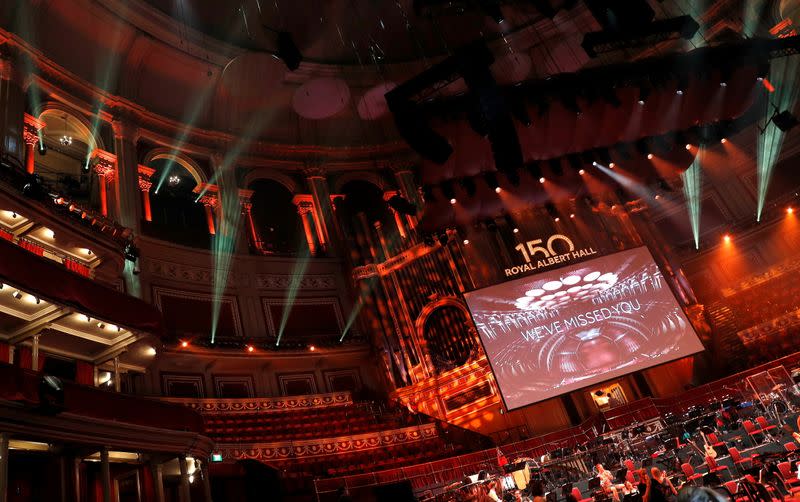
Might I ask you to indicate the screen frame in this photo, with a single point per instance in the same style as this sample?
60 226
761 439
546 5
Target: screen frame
584 387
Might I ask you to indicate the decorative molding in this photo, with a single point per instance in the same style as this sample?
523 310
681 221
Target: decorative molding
291 450
244 380
282 282
105 163
160 292
266 404
284 379
180 272
331 375
167 379
266 302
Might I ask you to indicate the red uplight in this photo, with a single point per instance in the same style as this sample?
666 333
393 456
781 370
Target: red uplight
726 238
184 344
312 348
250 348
789 210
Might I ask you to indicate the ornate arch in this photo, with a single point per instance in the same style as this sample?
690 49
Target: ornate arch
430 308
264 173
55 110
187 163
369 177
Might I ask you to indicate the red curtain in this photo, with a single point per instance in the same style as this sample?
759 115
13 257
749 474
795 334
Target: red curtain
4 352
33 248
23 357
76 267
84 373
6 235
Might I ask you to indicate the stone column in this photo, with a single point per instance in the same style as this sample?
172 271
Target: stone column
126 187
12 106
145 184
30 135
158 481
305 208
3 466
323 209
184 491
398 218
117 375
35 353
210 202
247 213
104 166
404 175
105 474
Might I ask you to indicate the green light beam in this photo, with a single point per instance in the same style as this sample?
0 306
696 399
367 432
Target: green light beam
298 271
753 10
353 316
692 191
783 76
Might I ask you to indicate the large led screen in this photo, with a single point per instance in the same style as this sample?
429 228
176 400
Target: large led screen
569 328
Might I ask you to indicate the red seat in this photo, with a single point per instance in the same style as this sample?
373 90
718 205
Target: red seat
789 479
688 471
733 489
713 466
629 464
579 497
752 430
765 426
738 458
790 447
713 440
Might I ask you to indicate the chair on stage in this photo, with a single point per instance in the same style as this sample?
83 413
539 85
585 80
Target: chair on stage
714 467
688 471
733 489
790 481
738 459
765 426
753 431
579 496
790 447
714 441
678 443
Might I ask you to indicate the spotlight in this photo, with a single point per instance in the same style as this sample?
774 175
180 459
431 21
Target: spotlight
723 84
288 51
726 238
789 210
17 295
516 230
723 141
184 344
466 242
312 348
595 164
649 156
453 201
641 102
612 165
131 252
42 148
250 348
572 215
556 219
541 180
679 92
581 172
688 146
14 215
101 325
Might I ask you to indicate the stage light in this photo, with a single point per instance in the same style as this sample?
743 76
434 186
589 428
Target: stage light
679 92
789 210
250 348
312 348
641 102
595 164
452 201
556 219
581 172
150 351
723 84
726 238
101 325
466 242
497 189
688 146
658 196
541 180
516 230
612 165
572 215
723 141
17 295
184 344
649 156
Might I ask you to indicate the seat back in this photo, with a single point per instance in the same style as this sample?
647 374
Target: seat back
786 470
748 426
711 463
735 456
630 478
577 493
762 422
731 487
712 438
629 464
687 469
790 447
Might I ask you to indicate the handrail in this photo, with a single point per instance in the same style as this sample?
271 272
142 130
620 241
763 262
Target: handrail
264 404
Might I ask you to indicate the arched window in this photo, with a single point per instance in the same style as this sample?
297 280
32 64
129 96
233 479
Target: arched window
176 216
448 336
277 224
364 197
64 163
